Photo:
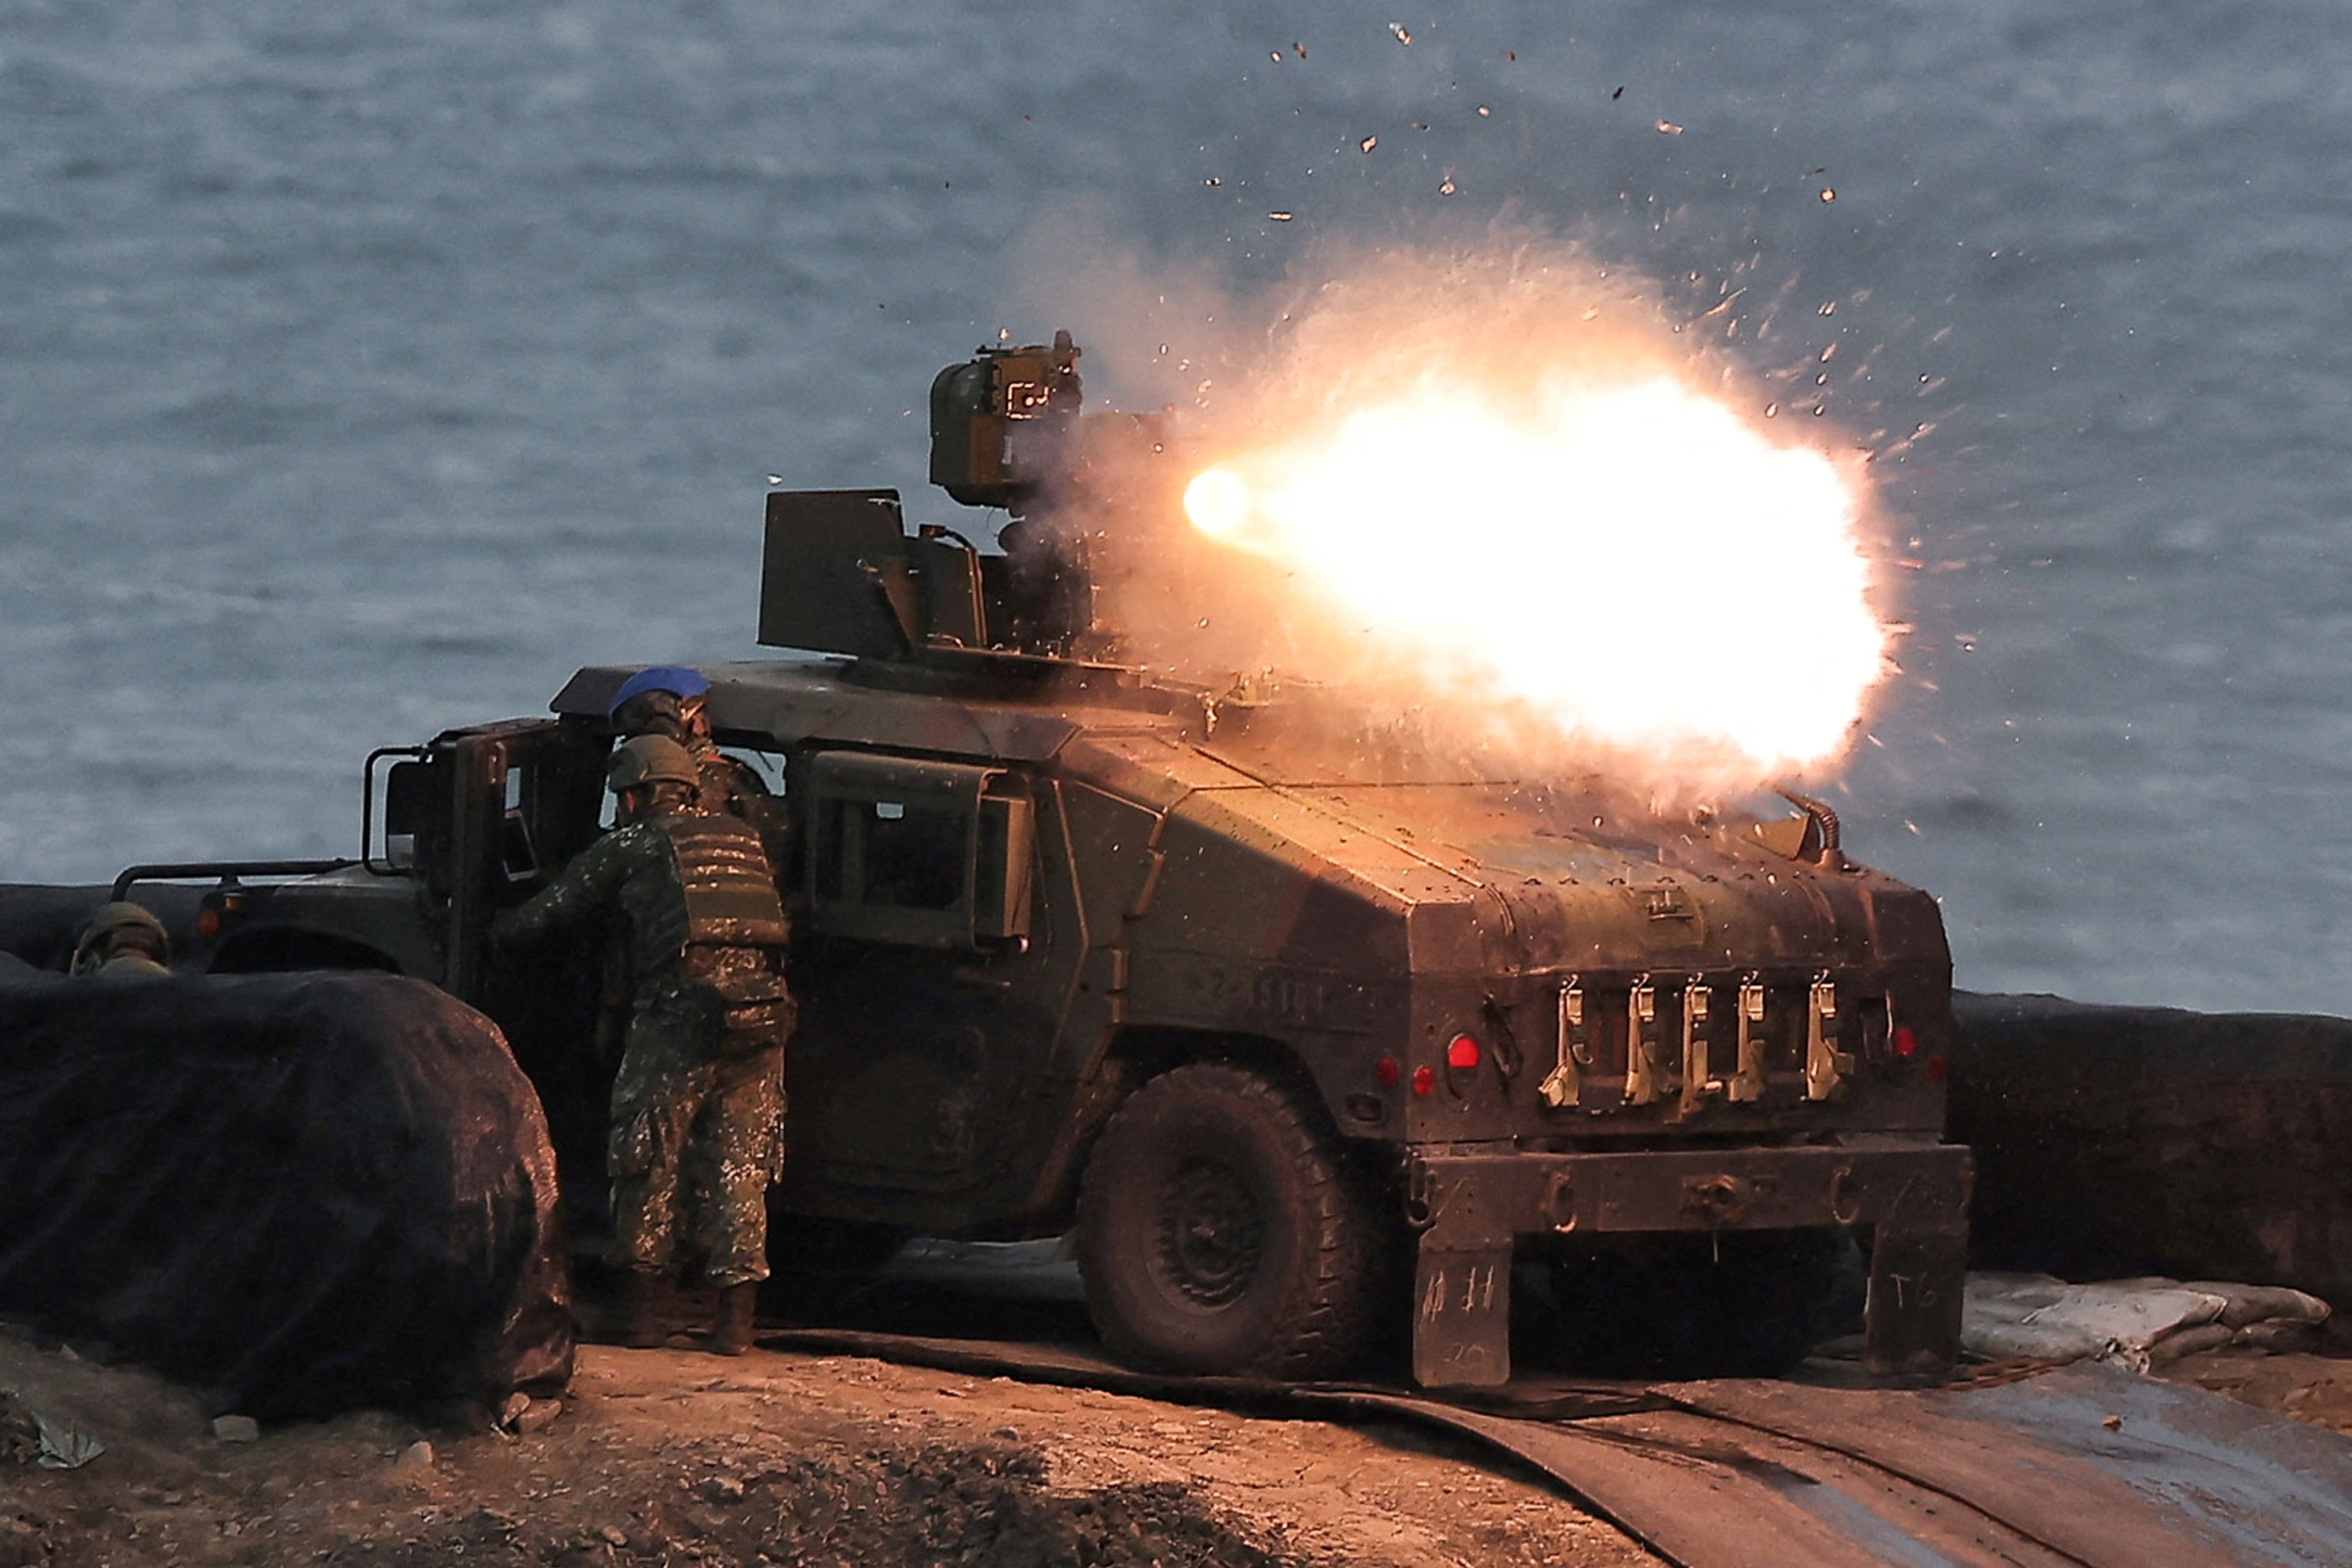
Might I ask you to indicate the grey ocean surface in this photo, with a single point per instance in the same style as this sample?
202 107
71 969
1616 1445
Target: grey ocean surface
365 369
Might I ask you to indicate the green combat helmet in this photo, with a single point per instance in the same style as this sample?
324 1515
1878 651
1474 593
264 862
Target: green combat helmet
649 760
122 938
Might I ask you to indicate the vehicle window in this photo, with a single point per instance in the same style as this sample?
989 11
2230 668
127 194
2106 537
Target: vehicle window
769 765
906 856
914 856
893 845
555 796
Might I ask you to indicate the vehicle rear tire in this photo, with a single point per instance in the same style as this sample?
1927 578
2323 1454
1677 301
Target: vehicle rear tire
1219 1232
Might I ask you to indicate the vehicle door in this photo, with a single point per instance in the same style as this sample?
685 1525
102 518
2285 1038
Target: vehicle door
482 818
921 1027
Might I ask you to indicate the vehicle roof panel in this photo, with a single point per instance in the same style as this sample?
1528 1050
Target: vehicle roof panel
791 702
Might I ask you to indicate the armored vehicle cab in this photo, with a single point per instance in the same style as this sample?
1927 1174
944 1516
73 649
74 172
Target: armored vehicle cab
1306 1038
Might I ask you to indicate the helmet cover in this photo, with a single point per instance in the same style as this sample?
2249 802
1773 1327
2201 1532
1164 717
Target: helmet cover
651 759
675 678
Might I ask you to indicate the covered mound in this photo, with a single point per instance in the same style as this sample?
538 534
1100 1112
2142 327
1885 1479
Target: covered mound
2119 1141
303 1193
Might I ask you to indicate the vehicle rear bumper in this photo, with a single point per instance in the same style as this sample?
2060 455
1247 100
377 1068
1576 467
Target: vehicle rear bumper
1471 1206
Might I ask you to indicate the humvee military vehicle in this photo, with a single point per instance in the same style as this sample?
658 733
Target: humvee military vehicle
1305 1041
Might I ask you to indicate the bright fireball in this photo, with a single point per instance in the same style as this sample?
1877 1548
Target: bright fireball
1636 562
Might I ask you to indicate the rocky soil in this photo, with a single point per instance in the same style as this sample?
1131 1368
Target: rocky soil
675 1456
2313 1388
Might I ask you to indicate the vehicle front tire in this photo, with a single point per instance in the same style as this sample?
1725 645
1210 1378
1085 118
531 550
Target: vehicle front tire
1219 1232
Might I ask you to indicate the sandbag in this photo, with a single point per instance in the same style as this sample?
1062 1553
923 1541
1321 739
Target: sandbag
302 1193
2135 1323
2117 1142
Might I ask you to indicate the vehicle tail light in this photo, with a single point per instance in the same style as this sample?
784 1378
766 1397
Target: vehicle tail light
1906 1042
1424 1081
1937 1070
1463 1053
1386 1071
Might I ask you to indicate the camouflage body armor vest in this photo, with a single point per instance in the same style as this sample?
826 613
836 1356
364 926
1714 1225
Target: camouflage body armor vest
729 923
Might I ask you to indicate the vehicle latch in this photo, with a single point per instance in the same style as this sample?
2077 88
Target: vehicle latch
1507 1061
1422 1199
1564 1084
1826 1067
1747 1085
1697 1002
1644 1072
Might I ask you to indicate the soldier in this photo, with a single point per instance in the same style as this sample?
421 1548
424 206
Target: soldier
667 701
121 942
699 1094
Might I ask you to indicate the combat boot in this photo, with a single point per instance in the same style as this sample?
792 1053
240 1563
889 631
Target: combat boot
640 1326
731 1332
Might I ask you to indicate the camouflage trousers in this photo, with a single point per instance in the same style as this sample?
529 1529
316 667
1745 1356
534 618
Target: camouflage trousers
697 1114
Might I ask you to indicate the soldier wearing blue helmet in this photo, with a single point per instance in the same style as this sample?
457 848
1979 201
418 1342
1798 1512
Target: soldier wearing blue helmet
698 1106
667 699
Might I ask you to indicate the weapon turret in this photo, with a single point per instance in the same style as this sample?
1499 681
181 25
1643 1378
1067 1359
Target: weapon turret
842 575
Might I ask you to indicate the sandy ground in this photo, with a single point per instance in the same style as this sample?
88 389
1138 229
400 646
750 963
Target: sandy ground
2313 1388
676 1456
673 1456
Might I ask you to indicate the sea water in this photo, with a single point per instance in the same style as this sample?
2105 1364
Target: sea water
364 369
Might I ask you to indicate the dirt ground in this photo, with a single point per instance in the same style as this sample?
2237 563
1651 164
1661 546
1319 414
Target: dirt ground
2313 1388
675 1456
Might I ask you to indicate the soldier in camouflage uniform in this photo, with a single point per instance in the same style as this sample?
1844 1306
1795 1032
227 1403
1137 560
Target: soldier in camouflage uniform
699 1094
122 942
667 701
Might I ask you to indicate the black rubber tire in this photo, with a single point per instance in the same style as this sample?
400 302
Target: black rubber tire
1219 1232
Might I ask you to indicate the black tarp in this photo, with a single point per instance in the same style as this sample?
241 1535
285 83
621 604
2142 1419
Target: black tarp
2114 1141
302 1193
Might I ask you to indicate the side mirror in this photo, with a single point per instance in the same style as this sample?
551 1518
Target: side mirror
411 793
